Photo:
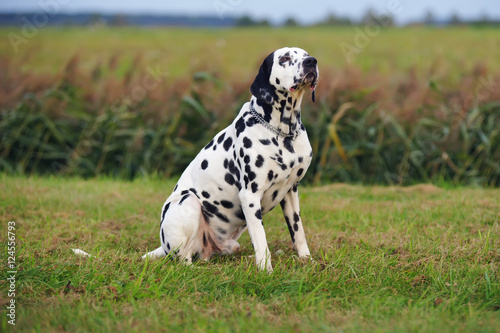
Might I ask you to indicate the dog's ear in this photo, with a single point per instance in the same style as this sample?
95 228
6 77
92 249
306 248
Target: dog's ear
261 88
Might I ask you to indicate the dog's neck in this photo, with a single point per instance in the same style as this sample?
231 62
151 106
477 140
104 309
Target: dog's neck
284 113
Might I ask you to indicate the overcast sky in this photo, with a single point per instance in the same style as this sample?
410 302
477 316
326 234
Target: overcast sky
275 11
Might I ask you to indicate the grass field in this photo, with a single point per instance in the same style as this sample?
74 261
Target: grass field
386 259
238 52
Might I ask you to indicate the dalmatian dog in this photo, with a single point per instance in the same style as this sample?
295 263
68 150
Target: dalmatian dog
248 169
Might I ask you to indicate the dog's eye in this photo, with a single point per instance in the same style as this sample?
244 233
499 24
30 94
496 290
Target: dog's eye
284 59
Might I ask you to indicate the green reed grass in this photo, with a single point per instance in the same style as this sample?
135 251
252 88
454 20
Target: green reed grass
127 115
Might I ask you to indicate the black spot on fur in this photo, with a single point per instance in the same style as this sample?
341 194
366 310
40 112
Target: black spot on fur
288 145
209 144
277 81
296 217
221 138
226 204
258 214
275 194
183 198
296 227
222 217
300 172
204 164
250 122
209 207
205 194
162 236
239 214
240 126
251 175
228 143
270 175
255 187
232 168
229 179
167 206
283 204
168 246
265 142
247 143
260 161
290 229
184 192
301 159
275 142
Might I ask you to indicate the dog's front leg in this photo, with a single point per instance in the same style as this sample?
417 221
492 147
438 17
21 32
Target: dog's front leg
253 215
291 210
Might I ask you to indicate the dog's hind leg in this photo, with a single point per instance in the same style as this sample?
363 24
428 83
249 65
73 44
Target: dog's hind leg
185 233
180 226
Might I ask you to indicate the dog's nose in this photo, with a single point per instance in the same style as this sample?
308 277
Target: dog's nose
310 62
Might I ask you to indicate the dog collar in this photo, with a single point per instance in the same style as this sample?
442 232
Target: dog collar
271 128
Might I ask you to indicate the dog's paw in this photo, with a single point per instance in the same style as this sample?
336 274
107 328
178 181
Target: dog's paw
230 246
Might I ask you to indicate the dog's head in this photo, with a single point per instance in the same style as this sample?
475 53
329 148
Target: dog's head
287 69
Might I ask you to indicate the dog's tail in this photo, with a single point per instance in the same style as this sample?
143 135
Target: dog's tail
158 253
82 253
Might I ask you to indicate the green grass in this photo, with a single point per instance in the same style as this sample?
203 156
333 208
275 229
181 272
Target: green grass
386 259
182 51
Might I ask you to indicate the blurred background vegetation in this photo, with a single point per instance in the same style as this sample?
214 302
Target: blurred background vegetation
400 106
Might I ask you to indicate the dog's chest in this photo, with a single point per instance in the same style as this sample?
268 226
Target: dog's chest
285 165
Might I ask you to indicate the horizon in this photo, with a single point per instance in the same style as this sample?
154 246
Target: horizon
403 11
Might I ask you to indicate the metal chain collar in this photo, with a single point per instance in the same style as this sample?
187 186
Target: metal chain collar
273 129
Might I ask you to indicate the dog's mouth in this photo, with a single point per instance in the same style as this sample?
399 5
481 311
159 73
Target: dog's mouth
310 79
